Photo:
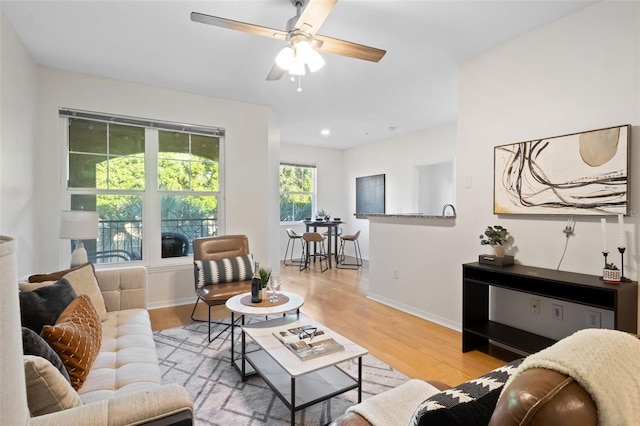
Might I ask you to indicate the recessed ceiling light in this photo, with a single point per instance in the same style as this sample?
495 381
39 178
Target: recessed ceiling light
325 132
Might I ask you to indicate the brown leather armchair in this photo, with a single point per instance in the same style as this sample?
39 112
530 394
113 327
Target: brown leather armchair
218 248
537 397
544 397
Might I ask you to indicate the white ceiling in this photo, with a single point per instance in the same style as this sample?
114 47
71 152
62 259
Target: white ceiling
413 87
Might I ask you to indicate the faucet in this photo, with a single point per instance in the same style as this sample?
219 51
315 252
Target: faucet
444 209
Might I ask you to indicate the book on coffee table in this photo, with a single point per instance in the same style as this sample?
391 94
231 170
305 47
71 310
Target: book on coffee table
311 348
297 333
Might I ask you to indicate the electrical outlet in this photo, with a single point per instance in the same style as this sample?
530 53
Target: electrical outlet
557 311
592 319
535 306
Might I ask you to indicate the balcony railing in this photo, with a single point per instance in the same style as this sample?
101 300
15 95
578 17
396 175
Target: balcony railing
121 240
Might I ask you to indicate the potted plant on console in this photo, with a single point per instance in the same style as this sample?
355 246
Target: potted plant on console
611 274
496 237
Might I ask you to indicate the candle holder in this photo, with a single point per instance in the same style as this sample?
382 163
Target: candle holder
605 254
622 277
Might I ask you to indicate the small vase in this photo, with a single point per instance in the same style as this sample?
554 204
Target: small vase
498 250
612 276
263 294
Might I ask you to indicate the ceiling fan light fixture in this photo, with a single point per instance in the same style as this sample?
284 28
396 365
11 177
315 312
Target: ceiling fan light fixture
285 58
297 67
309 55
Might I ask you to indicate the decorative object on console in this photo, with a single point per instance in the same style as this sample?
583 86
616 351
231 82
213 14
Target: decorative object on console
611 273
489 259
496 237
581 173
79 225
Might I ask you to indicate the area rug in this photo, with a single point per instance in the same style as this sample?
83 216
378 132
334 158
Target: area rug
221 398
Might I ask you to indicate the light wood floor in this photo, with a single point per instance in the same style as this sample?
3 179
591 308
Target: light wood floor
417 348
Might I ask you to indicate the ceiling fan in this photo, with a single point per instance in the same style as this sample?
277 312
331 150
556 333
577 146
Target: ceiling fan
303 42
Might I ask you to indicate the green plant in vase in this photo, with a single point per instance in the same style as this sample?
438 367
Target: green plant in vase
265 276
611 273
496 237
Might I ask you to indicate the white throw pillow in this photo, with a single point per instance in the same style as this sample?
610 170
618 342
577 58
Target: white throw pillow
47 390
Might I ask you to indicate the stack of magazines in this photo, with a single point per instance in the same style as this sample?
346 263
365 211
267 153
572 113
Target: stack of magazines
307 341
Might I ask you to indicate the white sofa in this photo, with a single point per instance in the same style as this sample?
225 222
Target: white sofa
124 385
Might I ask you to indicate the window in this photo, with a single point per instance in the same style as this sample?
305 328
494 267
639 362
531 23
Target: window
155 182
297 191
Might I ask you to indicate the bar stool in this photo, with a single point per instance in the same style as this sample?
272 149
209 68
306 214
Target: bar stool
317 239
356 245
293 237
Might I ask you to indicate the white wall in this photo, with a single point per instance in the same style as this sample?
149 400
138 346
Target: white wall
33 161
577 74
18 94
416 250
250 181
397 159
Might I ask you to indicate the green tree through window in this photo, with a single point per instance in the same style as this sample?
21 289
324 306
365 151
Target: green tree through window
107 173
297 192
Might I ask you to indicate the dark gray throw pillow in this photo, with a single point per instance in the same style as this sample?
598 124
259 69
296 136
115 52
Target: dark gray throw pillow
44 305
32 344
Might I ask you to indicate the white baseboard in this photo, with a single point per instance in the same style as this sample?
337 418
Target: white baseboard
172 302
416 312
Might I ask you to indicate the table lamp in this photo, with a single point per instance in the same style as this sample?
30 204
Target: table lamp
79 225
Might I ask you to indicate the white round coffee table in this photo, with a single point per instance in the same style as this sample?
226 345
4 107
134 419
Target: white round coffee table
241 304
235 304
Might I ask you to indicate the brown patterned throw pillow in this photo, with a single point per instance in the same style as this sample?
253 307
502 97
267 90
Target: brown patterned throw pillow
76 338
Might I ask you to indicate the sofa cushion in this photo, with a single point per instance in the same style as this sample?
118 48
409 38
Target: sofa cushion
43 306
468 404
76 338
128 359
228 270
47 390
83 280
33 344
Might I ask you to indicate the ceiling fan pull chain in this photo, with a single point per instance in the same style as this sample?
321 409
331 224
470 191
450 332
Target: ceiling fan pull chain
299 83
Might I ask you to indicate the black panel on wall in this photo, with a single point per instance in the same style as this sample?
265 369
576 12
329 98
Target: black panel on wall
370 195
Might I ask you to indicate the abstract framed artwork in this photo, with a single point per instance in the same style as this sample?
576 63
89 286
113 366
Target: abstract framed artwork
579 174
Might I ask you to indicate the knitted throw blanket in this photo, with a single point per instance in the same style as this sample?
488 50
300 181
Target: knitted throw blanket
606 363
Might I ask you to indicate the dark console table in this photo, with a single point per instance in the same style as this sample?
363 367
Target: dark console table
588 290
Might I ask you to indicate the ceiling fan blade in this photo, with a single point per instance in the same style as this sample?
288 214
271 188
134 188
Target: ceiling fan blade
347 48
237 25
314 14
276 73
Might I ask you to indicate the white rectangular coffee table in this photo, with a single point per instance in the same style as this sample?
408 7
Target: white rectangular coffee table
300 384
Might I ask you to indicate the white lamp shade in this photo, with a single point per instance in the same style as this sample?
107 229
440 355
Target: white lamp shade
285 58
79 225
297 67
315 62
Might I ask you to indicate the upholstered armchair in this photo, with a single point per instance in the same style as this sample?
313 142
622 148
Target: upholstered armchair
223 268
